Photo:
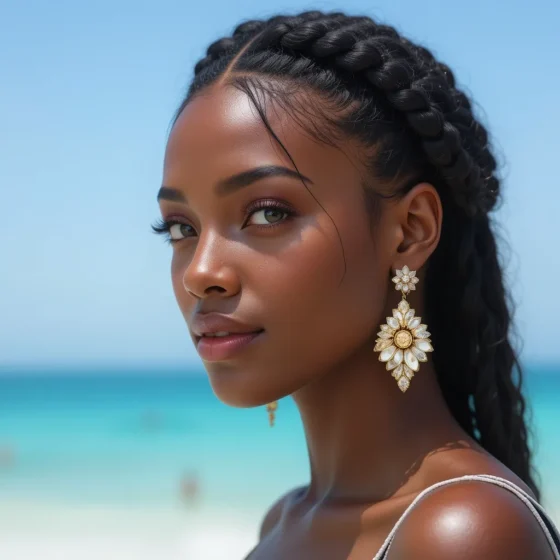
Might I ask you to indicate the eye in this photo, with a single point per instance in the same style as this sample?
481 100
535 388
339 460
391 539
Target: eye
178 230
261 214
268 213
173 230
267 216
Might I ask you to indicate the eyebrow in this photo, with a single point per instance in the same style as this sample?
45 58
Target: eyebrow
236 182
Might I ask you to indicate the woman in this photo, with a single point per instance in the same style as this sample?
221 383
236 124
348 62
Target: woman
318 162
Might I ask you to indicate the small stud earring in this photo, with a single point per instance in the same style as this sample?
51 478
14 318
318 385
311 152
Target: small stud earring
271 409
403 341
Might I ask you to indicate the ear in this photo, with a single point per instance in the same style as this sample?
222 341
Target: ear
420 215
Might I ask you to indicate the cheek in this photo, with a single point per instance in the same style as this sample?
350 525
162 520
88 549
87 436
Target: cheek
177 270
317 313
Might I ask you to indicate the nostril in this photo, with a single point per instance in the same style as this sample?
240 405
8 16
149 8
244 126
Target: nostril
215 288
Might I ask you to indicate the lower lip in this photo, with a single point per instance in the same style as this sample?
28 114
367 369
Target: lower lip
216 348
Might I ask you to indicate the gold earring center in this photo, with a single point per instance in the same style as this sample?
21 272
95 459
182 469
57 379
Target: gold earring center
403 339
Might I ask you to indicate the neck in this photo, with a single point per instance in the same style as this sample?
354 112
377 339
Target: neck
366 439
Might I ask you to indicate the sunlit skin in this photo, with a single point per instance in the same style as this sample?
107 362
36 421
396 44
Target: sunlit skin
372 448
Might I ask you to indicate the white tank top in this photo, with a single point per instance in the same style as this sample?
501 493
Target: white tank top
546 523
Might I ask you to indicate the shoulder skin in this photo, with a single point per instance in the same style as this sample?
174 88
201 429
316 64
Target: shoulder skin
470 520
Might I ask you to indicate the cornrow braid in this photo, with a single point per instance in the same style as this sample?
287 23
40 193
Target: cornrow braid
391 65
392 95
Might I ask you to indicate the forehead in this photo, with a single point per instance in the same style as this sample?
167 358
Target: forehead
220 133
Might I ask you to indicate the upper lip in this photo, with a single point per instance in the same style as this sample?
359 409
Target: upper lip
215 322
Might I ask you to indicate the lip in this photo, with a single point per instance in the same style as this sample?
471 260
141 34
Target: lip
223 347
215 349
212 322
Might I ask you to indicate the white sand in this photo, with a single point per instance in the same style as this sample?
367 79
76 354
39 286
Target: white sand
30 531
56 532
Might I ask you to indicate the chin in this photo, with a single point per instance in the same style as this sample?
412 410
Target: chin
236 388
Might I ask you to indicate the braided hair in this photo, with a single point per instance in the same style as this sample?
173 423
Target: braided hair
393 97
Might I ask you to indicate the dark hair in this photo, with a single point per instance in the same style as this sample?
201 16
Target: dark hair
403 107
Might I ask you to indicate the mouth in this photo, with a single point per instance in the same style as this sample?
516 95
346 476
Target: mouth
223 345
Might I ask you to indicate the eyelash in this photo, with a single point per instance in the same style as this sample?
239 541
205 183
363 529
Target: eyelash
163 227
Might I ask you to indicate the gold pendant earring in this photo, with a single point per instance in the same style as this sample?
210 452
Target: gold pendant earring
271 409
403 341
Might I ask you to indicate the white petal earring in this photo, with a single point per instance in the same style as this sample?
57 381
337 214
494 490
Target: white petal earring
403 341
271 409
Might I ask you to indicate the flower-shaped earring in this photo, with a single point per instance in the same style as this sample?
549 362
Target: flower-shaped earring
403 341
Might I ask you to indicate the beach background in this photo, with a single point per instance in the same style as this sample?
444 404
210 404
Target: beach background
102 464
112 444
149 464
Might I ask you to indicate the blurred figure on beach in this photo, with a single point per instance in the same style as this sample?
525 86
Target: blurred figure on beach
7 455
190 488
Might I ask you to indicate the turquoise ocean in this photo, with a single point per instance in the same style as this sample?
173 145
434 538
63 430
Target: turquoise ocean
125 438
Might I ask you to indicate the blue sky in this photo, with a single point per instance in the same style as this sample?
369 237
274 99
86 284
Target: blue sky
87 95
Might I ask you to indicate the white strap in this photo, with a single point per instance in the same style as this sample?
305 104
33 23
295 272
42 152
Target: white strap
531 503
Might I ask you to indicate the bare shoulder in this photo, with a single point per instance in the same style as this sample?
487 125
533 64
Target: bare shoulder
470 520
274 513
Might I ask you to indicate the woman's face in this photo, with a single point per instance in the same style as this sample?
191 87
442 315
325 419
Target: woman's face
265 254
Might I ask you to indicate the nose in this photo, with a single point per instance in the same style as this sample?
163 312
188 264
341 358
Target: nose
210 270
